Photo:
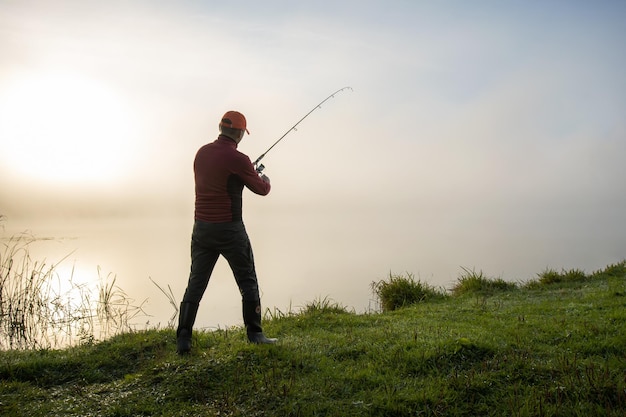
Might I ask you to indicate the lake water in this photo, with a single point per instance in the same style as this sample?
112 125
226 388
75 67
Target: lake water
292 269
305 255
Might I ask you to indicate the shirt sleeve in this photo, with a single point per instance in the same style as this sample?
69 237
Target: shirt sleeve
251 178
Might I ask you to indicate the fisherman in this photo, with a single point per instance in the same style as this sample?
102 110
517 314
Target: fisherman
221 172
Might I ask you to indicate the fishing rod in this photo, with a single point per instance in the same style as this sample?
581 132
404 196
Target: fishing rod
260 167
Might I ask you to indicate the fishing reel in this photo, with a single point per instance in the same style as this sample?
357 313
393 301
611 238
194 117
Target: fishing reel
259 168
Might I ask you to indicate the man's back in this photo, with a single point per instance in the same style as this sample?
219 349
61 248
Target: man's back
221 172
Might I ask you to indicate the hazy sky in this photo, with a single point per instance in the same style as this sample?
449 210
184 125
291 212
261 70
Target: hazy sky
485 134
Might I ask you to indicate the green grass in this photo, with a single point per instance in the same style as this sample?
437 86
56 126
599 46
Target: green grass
478 283
538 349
399 291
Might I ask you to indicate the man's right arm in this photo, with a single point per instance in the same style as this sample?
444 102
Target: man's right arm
255 183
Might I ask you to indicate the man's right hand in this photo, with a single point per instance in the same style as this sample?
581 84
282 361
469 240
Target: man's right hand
265 178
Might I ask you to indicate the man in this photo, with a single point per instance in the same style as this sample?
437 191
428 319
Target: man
221 172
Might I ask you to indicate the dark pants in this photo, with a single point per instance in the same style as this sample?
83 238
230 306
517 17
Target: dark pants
208 242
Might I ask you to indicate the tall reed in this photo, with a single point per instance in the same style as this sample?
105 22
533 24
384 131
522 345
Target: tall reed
41 309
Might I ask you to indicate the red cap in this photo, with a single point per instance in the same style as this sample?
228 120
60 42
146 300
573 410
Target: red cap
234 120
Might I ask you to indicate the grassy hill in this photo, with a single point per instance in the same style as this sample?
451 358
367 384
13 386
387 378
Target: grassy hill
553 347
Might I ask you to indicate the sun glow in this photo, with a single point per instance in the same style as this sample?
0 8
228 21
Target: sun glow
63 128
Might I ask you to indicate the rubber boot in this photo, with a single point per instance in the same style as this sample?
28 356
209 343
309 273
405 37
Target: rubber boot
252 320
186 318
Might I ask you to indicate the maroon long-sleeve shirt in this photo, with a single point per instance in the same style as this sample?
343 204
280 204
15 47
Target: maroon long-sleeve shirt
221 172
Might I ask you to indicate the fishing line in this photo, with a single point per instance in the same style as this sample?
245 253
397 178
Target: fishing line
261 167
